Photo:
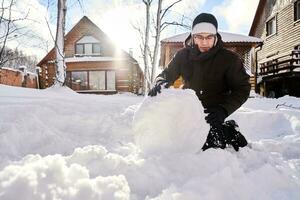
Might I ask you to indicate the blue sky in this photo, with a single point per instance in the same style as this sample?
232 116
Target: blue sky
198 6
117 17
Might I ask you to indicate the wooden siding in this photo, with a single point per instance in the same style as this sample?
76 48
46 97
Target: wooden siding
287 31
87 29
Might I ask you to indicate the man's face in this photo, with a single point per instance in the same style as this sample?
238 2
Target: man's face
204 41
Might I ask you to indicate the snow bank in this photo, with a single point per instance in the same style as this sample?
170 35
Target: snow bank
57 120
172 122
94 173
50 177
56 144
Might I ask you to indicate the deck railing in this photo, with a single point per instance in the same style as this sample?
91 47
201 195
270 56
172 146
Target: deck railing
287 63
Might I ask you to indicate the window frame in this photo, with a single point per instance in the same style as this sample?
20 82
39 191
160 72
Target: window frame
76 49
70 83
93 48
273 18
297 10
84 49
69 79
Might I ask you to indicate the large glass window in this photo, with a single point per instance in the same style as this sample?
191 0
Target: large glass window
97 80
92 80
111 80
271 26
79 80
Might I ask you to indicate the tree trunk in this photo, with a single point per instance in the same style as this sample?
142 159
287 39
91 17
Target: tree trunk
59 43
146 47
157 38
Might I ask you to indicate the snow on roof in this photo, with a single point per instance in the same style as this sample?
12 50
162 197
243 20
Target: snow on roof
226 37
93 58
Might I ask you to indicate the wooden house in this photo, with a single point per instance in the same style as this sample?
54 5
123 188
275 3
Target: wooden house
94 64
243 45
277 22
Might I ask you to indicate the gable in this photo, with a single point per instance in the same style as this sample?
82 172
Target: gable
266 9
87 39
85 30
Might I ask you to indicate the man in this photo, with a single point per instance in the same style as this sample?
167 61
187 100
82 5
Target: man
216 75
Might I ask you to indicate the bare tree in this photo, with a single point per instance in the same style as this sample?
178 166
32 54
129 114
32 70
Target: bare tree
59 43
8 28
159 24
59 39
146 46
16 58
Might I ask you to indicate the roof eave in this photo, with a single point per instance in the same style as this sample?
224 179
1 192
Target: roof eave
260 7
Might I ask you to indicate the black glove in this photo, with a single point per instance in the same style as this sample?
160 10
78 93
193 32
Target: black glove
215 139
216 116
227 135
157 87
233 136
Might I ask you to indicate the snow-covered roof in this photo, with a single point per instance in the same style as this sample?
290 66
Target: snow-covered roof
226 37
93 58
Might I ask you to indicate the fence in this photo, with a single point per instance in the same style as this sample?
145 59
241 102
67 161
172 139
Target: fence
17 78
287 63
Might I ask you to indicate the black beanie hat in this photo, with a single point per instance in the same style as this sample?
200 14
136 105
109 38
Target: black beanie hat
206 18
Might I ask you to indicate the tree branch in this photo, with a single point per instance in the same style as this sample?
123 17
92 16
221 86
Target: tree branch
166 10
166 24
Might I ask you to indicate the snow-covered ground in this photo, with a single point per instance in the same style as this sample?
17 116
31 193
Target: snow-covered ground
57 144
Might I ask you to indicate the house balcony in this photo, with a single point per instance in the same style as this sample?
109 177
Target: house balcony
287 64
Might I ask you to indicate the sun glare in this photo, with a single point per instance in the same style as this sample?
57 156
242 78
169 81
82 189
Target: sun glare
117 24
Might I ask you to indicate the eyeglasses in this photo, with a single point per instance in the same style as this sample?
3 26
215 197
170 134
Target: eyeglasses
202 38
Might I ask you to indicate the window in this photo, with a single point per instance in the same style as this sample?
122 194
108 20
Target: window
97 80
111 80
271 26
87 49
79 49
79 80
96 48
92 80
87 45
297 10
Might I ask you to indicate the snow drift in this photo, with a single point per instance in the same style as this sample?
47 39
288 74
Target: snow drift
56 144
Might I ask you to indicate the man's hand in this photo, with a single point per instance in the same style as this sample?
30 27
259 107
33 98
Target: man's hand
216 116
215 139
157 87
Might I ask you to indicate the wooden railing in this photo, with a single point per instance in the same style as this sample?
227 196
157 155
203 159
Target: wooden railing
281 64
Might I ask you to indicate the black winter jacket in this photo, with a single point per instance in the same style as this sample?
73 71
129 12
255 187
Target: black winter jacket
217 76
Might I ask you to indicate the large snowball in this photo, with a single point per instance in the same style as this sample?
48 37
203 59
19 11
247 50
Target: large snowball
171 122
